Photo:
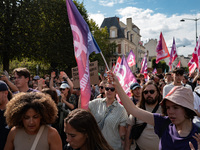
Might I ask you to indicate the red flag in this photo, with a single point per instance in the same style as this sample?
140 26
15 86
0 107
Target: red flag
179 64
144 66
192 66
117 65
173 54
84 45
196 53
161 49
131 59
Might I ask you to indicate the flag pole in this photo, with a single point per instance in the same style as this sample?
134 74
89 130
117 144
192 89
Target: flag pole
104 60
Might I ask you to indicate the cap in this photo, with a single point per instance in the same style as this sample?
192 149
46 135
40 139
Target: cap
36 78
181 96
3 86
178 70
64 86
134 85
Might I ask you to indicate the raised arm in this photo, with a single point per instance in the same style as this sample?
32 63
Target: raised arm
53 75
128 104
65 76
9 83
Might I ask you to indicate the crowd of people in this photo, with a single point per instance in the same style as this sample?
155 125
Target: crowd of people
163 112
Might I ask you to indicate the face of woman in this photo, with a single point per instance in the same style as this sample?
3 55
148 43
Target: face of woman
74 138
175 112
31 121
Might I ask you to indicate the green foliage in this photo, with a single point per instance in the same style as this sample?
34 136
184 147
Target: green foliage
162 64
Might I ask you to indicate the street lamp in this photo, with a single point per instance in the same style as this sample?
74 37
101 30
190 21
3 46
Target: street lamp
182 20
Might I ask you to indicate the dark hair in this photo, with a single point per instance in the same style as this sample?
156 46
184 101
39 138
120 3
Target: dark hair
83 121
22 72
141 103
189 114
22 102
52 93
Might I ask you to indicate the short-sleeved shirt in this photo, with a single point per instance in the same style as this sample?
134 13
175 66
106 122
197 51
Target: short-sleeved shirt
169 137
116 118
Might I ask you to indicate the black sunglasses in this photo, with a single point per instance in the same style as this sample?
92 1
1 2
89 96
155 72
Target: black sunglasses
62 89
150 91
101 87
111 89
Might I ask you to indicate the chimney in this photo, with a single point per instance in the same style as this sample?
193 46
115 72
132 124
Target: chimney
129 23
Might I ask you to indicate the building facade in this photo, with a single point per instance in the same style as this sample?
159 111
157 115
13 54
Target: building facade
127 37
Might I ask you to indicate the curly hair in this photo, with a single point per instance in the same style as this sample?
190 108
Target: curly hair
22 102
84 122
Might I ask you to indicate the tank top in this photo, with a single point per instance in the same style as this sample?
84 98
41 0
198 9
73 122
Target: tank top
24 141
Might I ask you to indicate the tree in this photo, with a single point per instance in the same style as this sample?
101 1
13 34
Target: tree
162 64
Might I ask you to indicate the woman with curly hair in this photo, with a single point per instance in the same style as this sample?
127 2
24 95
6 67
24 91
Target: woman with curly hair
83 132
29 115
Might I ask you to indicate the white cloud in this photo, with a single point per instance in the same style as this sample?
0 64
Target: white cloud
110 3
151 24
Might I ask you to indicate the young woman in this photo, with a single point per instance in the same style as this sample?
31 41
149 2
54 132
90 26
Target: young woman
29 114
83 132
174 128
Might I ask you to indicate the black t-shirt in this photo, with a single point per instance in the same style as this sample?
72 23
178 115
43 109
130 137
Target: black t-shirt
4 130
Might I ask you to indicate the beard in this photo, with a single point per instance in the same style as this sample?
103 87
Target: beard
150 100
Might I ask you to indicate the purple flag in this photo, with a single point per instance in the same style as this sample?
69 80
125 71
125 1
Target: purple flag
84 45
173 54
131 59
125 76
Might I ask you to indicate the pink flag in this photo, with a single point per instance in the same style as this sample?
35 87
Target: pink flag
117 66
125 76
154 71
173 54
161 49
144 66
179 64
196 53
131 59
192 66
84 45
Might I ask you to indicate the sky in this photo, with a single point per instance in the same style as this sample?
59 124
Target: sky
153 17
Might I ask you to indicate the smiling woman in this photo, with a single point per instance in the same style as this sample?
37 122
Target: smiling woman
29 115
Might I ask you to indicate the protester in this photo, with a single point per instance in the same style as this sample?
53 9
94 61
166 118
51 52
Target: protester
196 95
83 132
177 77
186 82
4 98
111 117
174 128
12 87
22 77
29 115
101 90
150 100
168 78
135 89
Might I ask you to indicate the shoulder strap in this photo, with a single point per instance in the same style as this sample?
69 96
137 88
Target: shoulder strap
197 93
37 137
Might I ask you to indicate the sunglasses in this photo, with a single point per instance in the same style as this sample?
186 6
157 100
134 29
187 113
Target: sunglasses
150 91
112 89
101 87
62 89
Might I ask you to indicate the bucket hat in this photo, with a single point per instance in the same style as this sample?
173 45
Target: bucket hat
181 96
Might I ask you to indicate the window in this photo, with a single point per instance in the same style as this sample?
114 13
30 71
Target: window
119 48
112 34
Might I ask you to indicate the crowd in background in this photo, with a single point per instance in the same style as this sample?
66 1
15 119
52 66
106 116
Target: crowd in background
114 122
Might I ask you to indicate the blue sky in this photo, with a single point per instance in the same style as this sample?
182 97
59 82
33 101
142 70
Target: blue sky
153 17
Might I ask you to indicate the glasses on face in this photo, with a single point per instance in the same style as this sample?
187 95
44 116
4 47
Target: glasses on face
101 87
112 89
149 91
62 89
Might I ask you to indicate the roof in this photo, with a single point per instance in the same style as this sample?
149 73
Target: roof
113 21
